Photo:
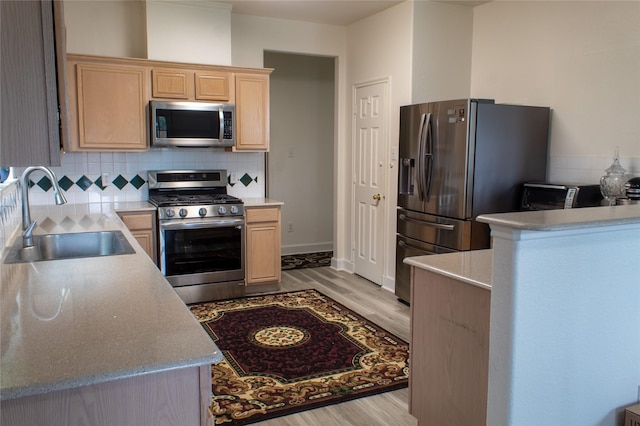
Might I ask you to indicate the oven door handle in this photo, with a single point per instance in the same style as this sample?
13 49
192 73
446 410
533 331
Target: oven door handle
200 224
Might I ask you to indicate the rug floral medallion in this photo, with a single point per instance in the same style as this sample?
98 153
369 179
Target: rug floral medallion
290 352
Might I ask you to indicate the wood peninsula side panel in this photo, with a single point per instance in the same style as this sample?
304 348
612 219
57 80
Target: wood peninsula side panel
448 382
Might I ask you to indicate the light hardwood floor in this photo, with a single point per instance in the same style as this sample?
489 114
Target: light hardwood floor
375 304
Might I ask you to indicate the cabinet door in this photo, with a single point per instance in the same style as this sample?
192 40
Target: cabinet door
29 132
263 245
170 83
111 107
252 112
142 227
212 86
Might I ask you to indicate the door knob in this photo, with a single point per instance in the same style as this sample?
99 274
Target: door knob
377 197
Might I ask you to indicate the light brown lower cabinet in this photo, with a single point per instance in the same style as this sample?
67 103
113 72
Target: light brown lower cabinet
142 226
176 397
263 262
448 377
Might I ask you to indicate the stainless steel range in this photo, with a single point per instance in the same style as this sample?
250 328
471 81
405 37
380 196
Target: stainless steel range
201 233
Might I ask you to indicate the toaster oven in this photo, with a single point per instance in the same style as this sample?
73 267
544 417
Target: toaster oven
549 196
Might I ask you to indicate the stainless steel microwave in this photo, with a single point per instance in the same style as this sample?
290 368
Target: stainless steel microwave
549 196
192 124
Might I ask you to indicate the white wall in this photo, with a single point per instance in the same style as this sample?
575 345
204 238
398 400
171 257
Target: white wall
442 35
109 28
581 58
380 47
564 343
251 36
300 158
196 32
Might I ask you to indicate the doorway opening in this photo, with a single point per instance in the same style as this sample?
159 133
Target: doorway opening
300 162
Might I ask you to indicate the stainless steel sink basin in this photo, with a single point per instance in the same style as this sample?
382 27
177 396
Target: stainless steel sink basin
70 246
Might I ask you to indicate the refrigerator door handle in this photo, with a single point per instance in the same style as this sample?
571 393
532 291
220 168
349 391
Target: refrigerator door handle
428 157
421 139
431 224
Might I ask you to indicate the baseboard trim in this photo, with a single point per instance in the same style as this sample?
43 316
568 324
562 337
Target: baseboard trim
342 265
306 248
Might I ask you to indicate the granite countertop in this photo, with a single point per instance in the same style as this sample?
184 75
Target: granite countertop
563 219
473 267
75 322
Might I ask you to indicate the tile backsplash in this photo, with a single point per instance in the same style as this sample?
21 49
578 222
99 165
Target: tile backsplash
587 170
106 177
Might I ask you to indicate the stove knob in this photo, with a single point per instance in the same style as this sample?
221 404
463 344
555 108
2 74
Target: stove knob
234 209
202 212
182 212
170 213
222 210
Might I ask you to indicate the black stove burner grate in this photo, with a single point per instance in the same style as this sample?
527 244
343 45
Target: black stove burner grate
192 200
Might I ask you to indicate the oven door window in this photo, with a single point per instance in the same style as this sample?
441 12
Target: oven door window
193 251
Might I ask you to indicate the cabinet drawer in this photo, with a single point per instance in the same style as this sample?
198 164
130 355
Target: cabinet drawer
269 214
138 221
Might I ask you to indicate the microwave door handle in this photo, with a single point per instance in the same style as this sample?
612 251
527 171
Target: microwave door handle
425 223
221 121
428 157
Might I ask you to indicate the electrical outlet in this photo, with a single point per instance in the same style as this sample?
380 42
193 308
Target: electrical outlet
290 227
233 178
105 178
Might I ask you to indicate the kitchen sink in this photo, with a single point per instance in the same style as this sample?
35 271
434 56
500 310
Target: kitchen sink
70 246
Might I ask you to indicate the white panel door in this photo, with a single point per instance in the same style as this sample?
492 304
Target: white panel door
369 173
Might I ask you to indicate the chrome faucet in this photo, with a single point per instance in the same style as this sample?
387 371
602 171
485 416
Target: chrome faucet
27 224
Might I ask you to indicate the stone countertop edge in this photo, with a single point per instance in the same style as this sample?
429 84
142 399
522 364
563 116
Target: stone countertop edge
565 219
42 388
88 341
472 267
261 202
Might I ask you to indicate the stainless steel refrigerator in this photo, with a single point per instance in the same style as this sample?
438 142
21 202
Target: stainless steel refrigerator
459 159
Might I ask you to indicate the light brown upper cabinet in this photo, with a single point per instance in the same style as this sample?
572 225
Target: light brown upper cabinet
110 108
191 85
109 98
252 111
170 83
213 86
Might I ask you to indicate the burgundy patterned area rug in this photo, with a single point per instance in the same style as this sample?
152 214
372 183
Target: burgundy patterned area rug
291 352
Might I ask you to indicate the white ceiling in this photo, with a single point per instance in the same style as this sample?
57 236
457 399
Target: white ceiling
334 12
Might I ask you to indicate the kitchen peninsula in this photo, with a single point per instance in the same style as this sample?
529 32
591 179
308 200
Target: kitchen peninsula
564 346
99 340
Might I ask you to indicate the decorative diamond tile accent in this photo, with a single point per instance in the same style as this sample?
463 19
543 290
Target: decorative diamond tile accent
86 221
67 223
47 224
65 183
98 183
137 181
84 183
45 183
31 184
229 181
120 182
246 179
